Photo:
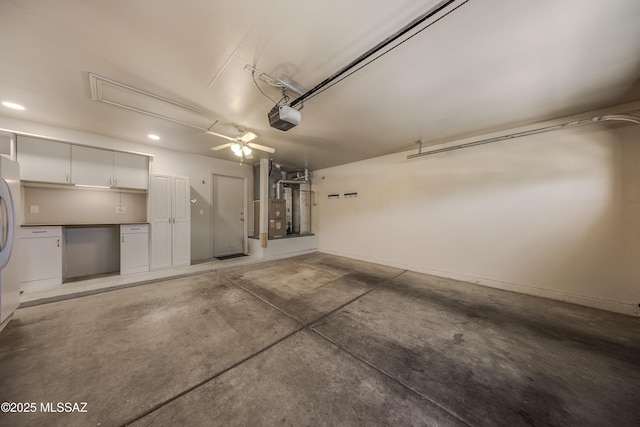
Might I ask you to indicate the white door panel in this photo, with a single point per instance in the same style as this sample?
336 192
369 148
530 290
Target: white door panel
181 222
160 221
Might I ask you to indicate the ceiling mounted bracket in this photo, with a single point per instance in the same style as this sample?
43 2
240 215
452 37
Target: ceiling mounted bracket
282 82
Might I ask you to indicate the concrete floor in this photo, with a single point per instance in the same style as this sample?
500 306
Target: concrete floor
320 340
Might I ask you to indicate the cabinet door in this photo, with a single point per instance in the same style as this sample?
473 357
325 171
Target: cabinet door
181 233
130 171
134 252
44 160
161 221
41 262
91 166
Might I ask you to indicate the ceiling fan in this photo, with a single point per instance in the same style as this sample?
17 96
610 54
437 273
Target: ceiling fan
242 145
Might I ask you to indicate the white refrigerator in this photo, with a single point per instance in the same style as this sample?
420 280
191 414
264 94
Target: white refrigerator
9 263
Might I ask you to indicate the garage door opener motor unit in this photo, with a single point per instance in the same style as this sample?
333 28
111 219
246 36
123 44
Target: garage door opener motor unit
284 117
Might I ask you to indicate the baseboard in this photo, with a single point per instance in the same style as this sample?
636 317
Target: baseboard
602 304
35 285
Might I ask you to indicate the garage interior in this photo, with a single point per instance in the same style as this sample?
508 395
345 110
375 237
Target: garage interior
469 174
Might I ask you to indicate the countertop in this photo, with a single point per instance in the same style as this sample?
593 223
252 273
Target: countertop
84 225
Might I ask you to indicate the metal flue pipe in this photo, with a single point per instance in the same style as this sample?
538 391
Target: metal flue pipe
291 181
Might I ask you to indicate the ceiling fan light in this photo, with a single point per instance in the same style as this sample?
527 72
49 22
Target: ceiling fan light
237 150
246 150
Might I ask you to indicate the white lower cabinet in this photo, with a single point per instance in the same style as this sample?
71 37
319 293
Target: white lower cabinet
134 248
41 257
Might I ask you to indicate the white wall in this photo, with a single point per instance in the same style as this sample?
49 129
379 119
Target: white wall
197 168
554 215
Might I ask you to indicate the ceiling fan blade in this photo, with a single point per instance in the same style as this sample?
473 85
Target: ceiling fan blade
221 135
223 146
261 147
248 136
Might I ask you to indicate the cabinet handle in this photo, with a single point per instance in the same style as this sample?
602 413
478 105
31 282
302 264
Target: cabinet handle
67 178
115 182
135 228
39 231
122 239
109 182
58 242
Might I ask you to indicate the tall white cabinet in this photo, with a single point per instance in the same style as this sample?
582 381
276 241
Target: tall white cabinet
170 221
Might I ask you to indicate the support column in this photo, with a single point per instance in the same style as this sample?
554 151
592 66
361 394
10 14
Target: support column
264 201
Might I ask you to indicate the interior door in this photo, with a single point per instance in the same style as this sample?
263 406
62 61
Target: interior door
227 215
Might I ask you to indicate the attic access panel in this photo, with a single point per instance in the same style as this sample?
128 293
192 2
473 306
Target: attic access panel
140 101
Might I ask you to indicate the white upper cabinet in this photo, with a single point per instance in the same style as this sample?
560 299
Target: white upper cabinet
44 160
130 170
91 166
63 163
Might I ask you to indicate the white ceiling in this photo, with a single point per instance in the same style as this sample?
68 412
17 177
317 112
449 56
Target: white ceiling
486 66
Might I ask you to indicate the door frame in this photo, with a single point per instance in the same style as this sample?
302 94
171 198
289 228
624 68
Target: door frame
247 214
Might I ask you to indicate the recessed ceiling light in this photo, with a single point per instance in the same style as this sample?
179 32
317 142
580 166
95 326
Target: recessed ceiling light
13 105
154 137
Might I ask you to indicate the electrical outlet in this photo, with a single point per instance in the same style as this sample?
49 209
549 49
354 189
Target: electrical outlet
34 209
121 210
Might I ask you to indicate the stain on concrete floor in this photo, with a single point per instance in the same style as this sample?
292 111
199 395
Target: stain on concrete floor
496 358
